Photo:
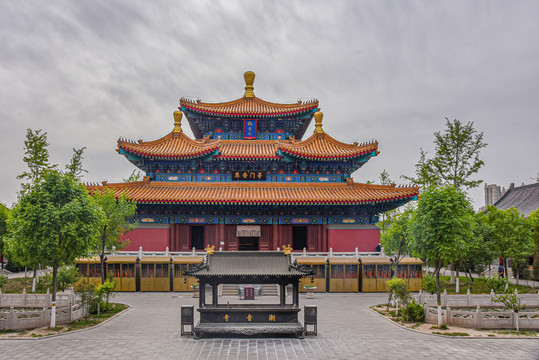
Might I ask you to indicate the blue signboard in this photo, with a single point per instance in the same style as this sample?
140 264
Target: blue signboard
249 129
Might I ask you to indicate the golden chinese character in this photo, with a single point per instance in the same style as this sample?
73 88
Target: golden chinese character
227 317
237 175
271 317
245 175
249 317
259 175
252 175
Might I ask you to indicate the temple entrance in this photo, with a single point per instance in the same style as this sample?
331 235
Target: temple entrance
299 237
197 237
248 244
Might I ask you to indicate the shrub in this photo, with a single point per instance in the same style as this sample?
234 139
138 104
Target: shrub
398 289
497 283
414 312
66 277
3 281
535 272
429 284
14 267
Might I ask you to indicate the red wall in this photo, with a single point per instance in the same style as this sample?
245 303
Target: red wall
149 239
348 239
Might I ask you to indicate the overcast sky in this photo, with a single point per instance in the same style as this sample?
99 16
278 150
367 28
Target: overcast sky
89 72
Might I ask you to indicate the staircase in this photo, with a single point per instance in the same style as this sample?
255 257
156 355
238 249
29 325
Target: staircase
230 290
270 290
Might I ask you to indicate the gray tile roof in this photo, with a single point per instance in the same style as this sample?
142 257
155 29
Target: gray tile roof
248 263
523 198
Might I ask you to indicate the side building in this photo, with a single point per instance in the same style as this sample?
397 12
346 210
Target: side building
249 181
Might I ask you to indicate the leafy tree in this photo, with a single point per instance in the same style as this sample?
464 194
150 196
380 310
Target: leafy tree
74 168
36 157
67 276
398 289
396 240
533 220
456 158
136 175
385 178
117 213
511 302
386 218
510 234
4 212
442 226
479 250
54 222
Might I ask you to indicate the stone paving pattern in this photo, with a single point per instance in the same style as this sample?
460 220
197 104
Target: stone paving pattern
347 329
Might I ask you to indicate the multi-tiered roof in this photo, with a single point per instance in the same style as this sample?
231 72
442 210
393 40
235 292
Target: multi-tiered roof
228 164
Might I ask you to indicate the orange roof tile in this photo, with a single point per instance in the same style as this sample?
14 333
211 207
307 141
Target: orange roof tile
255 193
248 107
324 147
179 146
248 149
171 146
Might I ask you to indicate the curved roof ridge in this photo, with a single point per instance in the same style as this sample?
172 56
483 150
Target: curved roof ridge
172 145
249 106
323 145
259 192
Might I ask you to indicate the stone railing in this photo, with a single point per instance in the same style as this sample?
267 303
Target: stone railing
480 311
531 300
26 311
497 317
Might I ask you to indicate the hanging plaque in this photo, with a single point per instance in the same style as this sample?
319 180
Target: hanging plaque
249 129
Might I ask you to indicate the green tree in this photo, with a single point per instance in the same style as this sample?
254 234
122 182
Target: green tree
67 276
442 226
53 223
510 235
479 250
511 302
136 175
4 212
74 168
117 213
396 240
456 158
533 220
36 157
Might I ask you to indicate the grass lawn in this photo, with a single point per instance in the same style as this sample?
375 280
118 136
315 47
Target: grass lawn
478 286
15 286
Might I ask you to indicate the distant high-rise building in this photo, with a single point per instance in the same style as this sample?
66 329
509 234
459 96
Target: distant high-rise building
493 193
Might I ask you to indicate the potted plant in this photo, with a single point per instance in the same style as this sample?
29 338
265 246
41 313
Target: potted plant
310 288
195 289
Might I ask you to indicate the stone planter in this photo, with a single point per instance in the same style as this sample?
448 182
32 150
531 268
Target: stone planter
195 291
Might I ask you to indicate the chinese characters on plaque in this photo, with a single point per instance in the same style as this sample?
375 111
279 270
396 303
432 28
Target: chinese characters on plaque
249 129
249 175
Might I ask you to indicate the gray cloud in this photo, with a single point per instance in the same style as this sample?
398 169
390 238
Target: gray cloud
91 72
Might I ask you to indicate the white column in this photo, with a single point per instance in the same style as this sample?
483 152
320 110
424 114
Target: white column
53 315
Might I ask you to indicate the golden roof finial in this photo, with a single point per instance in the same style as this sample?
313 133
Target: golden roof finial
177 122
318 116
249 77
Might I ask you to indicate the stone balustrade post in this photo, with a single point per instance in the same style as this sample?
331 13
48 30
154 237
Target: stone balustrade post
11 318
448 319
444 298
23 298
468 298
478 317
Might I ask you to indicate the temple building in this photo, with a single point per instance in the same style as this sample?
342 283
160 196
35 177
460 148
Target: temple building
251 179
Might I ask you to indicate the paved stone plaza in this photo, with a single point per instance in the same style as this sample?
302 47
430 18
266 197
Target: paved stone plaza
347 330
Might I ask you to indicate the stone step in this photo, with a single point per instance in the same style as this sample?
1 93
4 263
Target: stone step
230 290
270 290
